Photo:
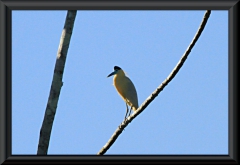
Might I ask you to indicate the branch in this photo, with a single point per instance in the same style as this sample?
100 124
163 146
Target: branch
158 90
56 84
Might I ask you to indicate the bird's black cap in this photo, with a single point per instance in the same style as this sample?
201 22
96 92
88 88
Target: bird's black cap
117 68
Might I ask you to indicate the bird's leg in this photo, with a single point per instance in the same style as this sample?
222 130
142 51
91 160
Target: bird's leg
126 112
130 112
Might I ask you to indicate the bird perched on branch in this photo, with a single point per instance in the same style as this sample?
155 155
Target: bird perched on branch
125 89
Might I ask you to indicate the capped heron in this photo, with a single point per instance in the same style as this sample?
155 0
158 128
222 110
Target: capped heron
125 89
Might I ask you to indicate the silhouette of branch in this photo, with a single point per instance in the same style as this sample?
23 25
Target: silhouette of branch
57 83
158 90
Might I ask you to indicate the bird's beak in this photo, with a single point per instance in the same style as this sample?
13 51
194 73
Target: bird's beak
113 73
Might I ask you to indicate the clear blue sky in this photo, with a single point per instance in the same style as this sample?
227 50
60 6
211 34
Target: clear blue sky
190 116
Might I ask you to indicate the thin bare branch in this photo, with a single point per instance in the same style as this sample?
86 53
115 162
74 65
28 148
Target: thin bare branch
158 90
57 83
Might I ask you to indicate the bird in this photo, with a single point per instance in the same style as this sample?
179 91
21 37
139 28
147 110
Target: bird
125 89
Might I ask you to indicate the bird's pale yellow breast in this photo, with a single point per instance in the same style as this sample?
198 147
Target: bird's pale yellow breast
120 85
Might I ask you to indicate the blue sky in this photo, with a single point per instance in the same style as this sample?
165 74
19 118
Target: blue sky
190 116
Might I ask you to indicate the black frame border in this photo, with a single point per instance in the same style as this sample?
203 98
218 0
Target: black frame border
6 7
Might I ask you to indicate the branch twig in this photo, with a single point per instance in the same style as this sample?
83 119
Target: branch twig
158 90
51 108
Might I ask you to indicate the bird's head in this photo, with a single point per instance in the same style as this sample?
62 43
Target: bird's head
117 71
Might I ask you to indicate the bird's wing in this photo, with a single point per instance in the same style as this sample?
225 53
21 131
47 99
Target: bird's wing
131 94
